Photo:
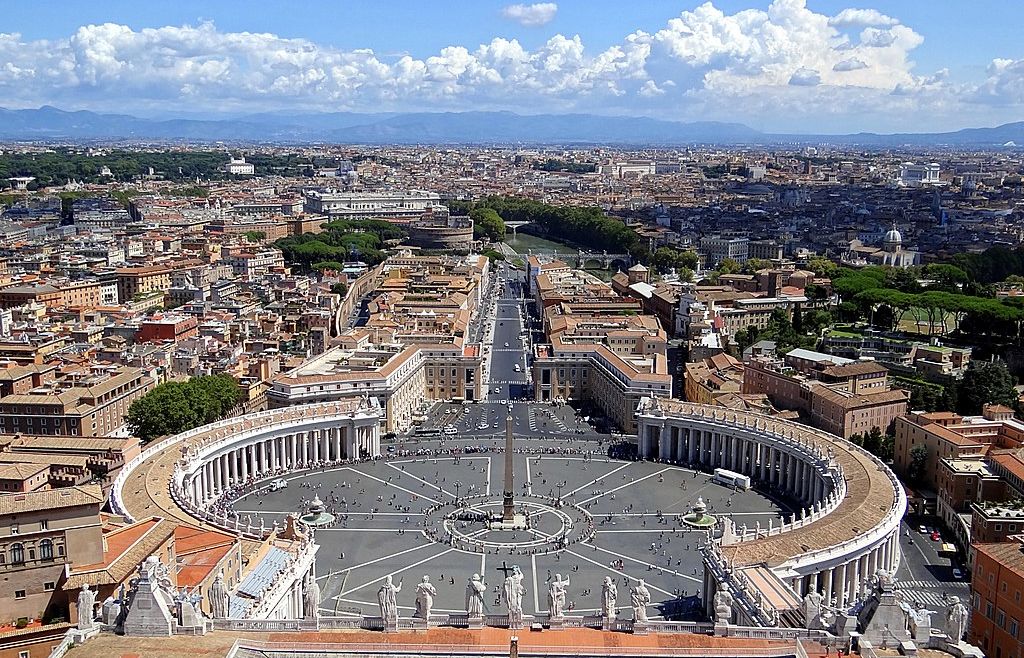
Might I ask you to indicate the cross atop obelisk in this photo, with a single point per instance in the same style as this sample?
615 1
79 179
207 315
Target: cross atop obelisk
508 509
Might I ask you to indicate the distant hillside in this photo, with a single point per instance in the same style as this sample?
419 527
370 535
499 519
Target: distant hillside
51 124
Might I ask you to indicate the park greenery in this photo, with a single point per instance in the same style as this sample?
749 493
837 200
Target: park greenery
952 301
584 226
175 407
342 240
555 164
60 165
786 333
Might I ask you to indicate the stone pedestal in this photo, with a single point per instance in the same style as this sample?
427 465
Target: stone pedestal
476 622
641 628
555 622
391 626
721 629
79 636
149 615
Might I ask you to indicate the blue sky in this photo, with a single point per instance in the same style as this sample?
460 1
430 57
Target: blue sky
788 65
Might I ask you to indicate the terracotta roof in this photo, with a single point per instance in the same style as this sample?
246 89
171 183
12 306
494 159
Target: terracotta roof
125 548
1010 555
87 494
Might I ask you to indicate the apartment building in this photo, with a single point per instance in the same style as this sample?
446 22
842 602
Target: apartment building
600 347
405 205
997 609
837 395
82 403
132 281
715 249
412 349
710 378
947 435
42 534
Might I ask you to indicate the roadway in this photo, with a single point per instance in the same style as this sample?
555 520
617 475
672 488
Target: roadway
503 314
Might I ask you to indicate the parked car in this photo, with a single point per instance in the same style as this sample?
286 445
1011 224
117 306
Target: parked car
959 575
936 536
923 529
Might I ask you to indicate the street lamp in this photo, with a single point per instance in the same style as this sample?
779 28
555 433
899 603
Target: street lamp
458 485
558 503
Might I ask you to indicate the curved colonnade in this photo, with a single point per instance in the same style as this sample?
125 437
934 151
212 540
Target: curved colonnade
212 460
852 504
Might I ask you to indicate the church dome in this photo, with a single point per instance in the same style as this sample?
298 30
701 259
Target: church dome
893 237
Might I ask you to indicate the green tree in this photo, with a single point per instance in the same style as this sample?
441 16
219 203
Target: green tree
822 267
340 288
255 236
754 264
918 461
986 382
494 255
728 266
175 407
487 223
164 410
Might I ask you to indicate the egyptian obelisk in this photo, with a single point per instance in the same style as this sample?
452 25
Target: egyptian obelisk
508 513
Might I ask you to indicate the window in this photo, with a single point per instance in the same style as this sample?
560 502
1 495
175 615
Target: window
49 587
14 529
1000 619
24 654
19 593
988 609
17 554
46 549
1013 628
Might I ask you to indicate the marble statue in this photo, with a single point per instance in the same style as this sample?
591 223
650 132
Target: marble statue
882 581
388 600
425 593
556 596
609 595
218 596
86 605
723 604
920 620
639 598
956 619
475 590
514 591
812 608
311 598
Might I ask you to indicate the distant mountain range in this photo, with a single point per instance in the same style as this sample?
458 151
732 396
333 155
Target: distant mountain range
52 124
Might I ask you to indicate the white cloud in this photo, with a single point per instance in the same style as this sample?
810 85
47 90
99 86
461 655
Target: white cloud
805 78
786 64
1004 84
861 18
535 15
852 64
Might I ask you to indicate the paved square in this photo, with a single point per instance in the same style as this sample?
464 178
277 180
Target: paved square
382 529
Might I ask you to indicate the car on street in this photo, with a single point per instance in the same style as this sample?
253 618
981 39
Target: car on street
958 574
923 529
936 536
506 344
482 425
277 485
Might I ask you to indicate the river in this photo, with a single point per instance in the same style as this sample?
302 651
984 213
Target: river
524 242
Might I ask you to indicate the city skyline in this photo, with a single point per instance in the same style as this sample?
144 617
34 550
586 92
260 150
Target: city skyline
787 66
